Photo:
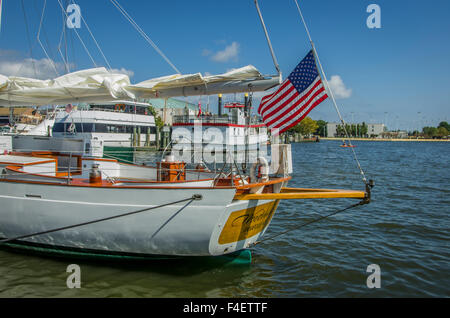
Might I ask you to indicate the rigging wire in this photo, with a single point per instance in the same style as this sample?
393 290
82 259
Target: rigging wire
275 62
63 36
324 79
28 38
39 39
94 39
142 33
364 201
79 37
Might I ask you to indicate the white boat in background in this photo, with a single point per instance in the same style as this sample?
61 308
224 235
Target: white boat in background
234 131
117 124
118 128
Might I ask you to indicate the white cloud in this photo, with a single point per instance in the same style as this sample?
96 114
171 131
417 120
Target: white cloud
230 52
338 87
122 70
12 64
28 67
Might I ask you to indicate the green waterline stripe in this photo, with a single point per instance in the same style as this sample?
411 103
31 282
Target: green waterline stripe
239 257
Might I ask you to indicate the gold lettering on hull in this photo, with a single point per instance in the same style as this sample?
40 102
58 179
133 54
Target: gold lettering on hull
246 223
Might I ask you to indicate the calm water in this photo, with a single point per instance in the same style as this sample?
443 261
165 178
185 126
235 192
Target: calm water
405 230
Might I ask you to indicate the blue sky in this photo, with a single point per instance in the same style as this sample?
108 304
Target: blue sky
398 74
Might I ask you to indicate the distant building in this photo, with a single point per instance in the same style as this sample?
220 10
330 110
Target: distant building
173 107
332 129
373 130
401 134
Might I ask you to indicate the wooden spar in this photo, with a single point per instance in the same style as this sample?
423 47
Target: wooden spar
302 193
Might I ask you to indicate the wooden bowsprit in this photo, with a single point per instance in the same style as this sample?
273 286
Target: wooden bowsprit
303 193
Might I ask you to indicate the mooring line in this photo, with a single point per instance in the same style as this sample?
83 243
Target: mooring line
364 201
193 198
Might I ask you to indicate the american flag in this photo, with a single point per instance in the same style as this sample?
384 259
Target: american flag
295 98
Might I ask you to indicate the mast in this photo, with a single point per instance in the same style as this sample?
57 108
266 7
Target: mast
275 62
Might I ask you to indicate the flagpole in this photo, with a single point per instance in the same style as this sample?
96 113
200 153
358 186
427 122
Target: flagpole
324 79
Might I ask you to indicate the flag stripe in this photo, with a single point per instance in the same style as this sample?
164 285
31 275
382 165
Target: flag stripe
288 125
295 117
296 108
284 86
282 100
285 105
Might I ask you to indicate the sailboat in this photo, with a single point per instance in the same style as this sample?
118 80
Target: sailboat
83 205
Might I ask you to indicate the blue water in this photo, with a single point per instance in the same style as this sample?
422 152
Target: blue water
405 231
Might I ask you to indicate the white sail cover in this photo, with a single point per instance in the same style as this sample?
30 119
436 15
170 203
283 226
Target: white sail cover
100 85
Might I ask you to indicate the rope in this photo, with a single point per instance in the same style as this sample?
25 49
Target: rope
364 201
194 197
324 79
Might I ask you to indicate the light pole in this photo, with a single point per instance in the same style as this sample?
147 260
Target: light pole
418 121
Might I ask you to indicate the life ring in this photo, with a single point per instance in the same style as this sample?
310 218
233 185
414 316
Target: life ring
262 166
119 107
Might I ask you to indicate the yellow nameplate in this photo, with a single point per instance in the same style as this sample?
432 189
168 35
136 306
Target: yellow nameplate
247 223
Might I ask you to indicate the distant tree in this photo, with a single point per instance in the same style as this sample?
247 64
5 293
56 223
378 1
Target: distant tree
158 121
322 129
364 129
444 124
429 132
306 127
442 132
340 132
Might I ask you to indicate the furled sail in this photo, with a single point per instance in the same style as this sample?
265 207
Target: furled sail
100 85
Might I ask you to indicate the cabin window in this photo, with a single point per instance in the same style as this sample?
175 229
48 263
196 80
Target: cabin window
79 127
59 127
103 128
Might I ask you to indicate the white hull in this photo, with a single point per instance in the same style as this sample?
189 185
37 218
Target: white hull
189 229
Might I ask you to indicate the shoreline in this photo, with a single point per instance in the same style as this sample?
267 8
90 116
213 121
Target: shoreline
385 139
